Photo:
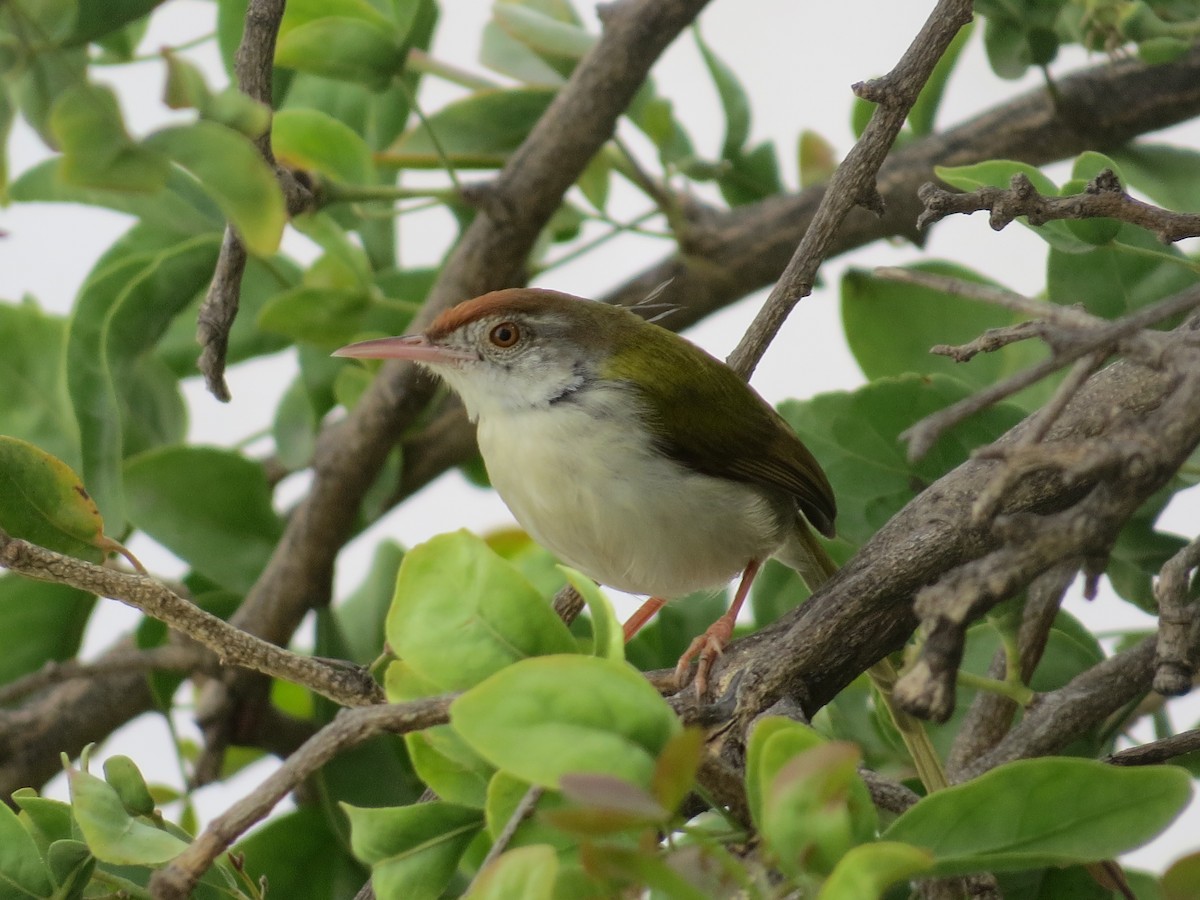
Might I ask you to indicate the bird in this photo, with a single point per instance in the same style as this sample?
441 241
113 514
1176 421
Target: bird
627 451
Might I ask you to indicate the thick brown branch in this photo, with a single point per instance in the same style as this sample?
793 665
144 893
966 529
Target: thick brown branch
1175 660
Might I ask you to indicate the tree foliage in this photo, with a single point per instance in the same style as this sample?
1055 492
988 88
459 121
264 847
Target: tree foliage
492 739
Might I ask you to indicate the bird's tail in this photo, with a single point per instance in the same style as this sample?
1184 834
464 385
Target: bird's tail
805 553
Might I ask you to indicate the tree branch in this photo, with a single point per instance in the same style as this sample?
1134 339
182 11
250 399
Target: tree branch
342 683
853 183
349 729
1102 198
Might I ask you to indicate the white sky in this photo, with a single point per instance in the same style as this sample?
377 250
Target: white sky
796 62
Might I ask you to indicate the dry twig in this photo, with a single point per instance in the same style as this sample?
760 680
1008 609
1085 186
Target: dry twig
1102 198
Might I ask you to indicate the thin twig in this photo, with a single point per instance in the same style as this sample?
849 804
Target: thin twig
349 728
1156 752
1093 335
168 658
1102 198
853 183
342 683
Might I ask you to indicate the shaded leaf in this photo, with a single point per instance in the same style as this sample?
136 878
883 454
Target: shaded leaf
97 150
479 131
211 507
39 621
866 871
412 850
342 48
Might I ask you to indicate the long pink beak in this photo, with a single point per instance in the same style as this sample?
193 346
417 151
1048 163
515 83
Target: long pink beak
411 346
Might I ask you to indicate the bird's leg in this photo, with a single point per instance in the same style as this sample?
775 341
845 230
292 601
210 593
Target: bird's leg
710 644
644 614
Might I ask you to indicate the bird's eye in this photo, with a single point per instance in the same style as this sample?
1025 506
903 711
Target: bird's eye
505 334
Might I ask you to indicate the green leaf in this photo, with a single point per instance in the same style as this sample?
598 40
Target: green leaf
39 621
34 404
526 872
608 638
505 794
503 53
1180 880
182 210
46 819
235 176
210 507
773 741
96 18
867 871
299 855
676 767
1132 271
111 833
262 279
479 131
461 613
43 501
344 49
1043 812
1164 173
816 158
447 764
734 102
550 37
891 327
123 776
361 615
332 316
126 304
22 872
601 805
924 111
856 438
545 717
751 176
311 139
412 850
97 150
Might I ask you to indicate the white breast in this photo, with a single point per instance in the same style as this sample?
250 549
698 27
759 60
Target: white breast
599 498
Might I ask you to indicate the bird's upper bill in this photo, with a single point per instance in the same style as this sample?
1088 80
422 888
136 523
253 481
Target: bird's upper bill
415 347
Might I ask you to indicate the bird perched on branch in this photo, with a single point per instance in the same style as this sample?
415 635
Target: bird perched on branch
627 451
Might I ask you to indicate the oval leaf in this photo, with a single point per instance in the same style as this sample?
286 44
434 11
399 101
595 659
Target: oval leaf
235 176
412 850
111 833
43 501
210 507
543 718
479 131
461 612
1043 812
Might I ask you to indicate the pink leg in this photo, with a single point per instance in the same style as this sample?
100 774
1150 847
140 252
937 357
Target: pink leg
710 644
644 614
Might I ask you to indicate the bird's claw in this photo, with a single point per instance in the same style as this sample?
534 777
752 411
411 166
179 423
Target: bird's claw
707 647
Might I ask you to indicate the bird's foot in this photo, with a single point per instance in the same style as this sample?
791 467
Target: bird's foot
707 647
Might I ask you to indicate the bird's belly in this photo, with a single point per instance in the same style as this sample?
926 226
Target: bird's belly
606 503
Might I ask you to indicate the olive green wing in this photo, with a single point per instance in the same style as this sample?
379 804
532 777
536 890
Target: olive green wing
709 419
